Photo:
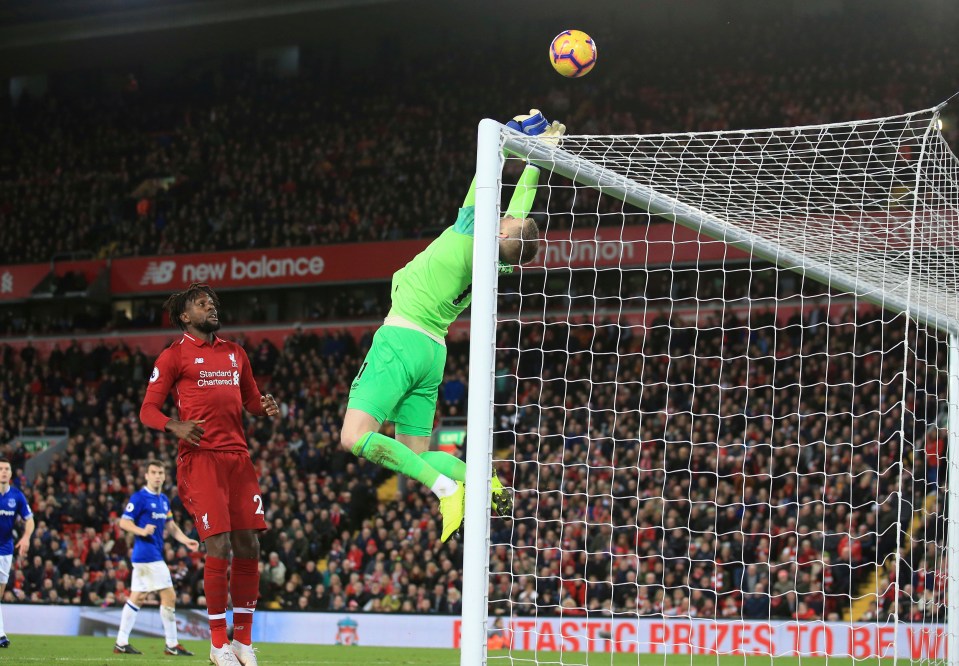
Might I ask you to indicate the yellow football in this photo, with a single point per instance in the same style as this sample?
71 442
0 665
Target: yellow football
572 53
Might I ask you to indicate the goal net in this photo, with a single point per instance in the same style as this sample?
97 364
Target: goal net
721 397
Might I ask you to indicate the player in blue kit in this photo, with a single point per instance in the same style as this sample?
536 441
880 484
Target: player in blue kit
12 505
147 514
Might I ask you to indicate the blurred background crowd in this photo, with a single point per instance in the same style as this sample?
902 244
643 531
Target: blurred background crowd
234 157
687 506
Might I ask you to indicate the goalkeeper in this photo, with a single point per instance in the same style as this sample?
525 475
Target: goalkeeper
401 374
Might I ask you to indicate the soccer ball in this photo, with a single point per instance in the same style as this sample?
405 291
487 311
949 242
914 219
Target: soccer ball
572 53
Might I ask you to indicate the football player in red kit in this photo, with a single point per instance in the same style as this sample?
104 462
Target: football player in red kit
212 382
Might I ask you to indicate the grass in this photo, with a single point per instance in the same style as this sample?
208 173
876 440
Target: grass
94 651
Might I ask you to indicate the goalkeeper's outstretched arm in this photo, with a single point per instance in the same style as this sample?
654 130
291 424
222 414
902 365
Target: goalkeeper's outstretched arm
532 124
521 203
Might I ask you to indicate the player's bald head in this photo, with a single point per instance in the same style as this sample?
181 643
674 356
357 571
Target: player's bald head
519 240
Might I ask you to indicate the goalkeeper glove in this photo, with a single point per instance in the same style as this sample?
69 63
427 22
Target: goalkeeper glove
535 124
531 124
554 133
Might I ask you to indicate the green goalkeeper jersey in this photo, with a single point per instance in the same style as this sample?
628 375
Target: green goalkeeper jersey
435 287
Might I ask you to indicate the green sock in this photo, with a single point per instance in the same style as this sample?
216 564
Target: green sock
446 463
389 453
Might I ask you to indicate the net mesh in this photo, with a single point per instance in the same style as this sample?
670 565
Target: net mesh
712 452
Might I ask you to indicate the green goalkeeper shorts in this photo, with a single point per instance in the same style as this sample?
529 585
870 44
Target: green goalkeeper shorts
400 379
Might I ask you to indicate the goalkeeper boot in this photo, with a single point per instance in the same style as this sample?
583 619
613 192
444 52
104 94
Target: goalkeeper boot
245 654
453 507
501 498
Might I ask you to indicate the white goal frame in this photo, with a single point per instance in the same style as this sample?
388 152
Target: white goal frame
493 139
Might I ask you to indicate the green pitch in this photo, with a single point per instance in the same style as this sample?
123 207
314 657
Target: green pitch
95 651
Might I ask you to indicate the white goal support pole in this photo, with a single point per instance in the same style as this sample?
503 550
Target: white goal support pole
479 433
952 481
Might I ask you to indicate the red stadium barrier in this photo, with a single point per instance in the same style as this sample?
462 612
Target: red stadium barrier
356 262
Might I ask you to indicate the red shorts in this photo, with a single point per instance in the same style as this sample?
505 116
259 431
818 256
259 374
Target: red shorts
221 492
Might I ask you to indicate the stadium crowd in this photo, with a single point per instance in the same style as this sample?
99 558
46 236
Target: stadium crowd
750 471
320 502
638 496
734 467
241 158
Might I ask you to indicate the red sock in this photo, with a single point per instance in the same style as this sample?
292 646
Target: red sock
214 588
245 590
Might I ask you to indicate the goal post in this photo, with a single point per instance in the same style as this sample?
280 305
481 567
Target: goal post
952 480
479 432
869 210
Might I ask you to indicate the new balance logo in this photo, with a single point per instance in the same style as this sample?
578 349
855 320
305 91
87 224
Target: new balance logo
198 360
158 272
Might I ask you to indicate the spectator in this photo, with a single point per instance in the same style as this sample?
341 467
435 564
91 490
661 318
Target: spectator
756 603
275 572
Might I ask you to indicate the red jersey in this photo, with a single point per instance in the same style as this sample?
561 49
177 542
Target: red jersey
211 382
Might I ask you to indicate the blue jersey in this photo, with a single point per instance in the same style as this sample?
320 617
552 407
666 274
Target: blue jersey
12 504
146 508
